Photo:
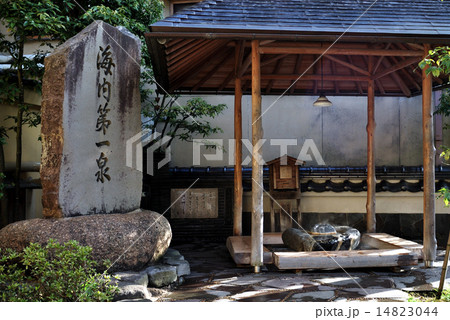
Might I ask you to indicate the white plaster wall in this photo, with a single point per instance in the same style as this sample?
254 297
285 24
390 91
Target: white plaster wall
355 202
338 132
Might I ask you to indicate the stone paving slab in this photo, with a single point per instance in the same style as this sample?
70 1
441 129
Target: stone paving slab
318 296
215 277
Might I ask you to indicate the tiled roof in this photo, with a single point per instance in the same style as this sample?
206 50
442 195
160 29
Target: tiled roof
398 17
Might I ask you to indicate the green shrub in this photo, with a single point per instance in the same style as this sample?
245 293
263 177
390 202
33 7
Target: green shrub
55 272
429 296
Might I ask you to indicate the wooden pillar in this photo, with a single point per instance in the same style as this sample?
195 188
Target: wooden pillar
429 230
256 259
237 217
371 179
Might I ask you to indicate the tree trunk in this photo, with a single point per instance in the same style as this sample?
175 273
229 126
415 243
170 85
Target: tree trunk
3 215
20 106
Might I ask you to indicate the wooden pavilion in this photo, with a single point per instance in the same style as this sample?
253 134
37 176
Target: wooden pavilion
305 47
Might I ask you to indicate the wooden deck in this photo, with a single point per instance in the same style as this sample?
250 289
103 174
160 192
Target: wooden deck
389 251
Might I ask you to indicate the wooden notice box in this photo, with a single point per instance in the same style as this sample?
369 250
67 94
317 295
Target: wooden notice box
283 173
284 185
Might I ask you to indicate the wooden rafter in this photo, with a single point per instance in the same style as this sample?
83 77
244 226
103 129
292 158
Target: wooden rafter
191 68
272 59
348 65
186 72
186 65
245 64
308 77
239 58
185 51
298 63
378 63
358 84
227 80
403 87
339 51
336 83
406 74
275 70
177 44
316 70
224 56
396 67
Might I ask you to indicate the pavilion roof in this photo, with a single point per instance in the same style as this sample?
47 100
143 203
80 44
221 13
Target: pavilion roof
193 50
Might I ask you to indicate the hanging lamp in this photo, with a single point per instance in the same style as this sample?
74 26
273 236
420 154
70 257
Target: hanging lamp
322 101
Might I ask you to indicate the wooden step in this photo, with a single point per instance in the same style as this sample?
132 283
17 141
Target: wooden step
344 259
386 241
240 250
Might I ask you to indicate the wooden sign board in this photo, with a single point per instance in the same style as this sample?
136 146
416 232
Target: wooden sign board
194 203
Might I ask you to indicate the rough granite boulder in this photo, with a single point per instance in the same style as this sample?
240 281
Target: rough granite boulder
130 241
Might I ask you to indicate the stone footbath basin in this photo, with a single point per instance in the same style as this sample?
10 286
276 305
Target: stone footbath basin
322 237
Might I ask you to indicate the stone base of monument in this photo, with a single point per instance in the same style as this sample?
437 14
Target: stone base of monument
130 241
153 282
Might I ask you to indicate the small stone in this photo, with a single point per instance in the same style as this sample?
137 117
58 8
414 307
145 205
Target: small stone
183 268
172 253
160 275
131 291
139 278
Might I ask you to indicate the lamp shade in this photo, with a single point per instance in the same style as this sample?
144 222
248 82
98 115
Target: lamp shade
322 101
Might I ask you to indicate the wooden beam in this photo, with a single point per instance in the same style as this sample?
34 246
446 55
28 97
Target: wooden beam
226 81
371 179
257 169
308 77
336 83
275 70
358 84
240 57
339 51
416 46
397 79
429 220
238 191
396 67
245 64
378 63
407 75
348 65
317 70
273 59
380 87
297 67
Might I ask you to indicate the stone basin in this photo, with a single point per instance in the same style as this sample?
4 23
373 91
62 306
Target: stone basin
322 237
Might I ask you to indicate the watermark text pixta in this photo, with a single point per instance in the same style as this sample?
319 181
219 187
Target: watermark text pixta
308 152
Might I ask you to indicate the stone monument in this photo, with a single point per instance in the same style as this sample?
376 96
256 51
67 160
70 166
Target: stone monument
90 108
